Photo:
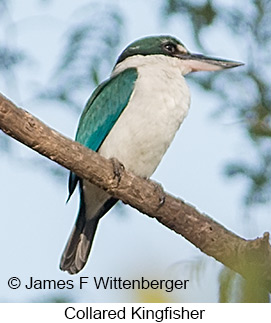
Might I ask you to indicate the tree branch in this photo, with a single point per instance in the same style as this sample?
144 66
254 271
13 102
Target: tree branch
250 258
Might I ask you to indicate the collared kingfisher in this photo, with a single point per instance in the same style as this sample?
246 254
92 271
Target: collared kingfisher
133 117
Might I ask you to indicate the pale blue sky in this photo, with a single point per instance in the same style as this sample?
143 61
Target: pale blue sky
36 222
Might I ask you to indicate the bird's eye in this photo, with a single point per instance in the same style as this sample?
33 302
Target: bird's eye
171 48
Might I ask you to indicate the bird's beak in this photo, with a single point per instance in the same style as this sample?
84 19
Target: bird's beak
198 62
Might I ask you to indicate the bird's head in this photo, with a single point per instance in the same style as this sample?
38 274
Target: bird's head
170 47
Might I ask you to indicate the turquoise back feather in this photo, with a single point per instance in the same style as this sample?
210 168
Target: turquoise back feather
102 111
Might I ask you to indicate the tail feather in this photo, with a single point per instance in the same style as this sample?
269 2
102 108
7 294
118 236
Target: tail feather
79 244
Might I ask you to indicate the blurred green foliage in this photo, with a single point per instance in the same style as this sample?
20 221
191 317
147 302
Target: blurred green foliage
94 34
10 56
10 59
234 288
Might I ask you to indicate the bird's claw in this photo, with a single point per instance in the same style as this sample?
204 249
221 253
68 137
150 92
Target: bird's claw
162 197
161 194
118 169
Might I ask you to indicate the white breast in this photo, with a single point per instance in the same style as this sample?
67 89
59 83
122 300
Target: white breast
157 107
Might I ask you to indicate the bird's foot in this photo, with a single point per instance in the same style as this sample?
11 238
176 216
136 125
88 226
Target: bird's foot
161 194
162 197
118 169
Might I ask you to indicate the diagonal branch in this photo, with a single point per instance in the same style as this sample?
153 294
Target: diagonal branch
250 258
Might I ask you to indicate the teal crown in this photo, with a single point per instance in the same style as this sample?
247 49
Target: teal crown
153 45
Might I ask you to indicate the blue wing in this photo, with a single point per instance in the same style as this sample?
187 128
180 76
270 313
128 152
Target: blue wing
101 113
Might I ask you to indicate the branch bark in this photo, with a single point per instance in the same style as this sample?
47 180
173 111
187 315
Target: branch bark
250 258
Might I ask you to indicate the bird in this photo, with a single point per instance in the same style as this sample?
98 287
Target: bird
132 117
